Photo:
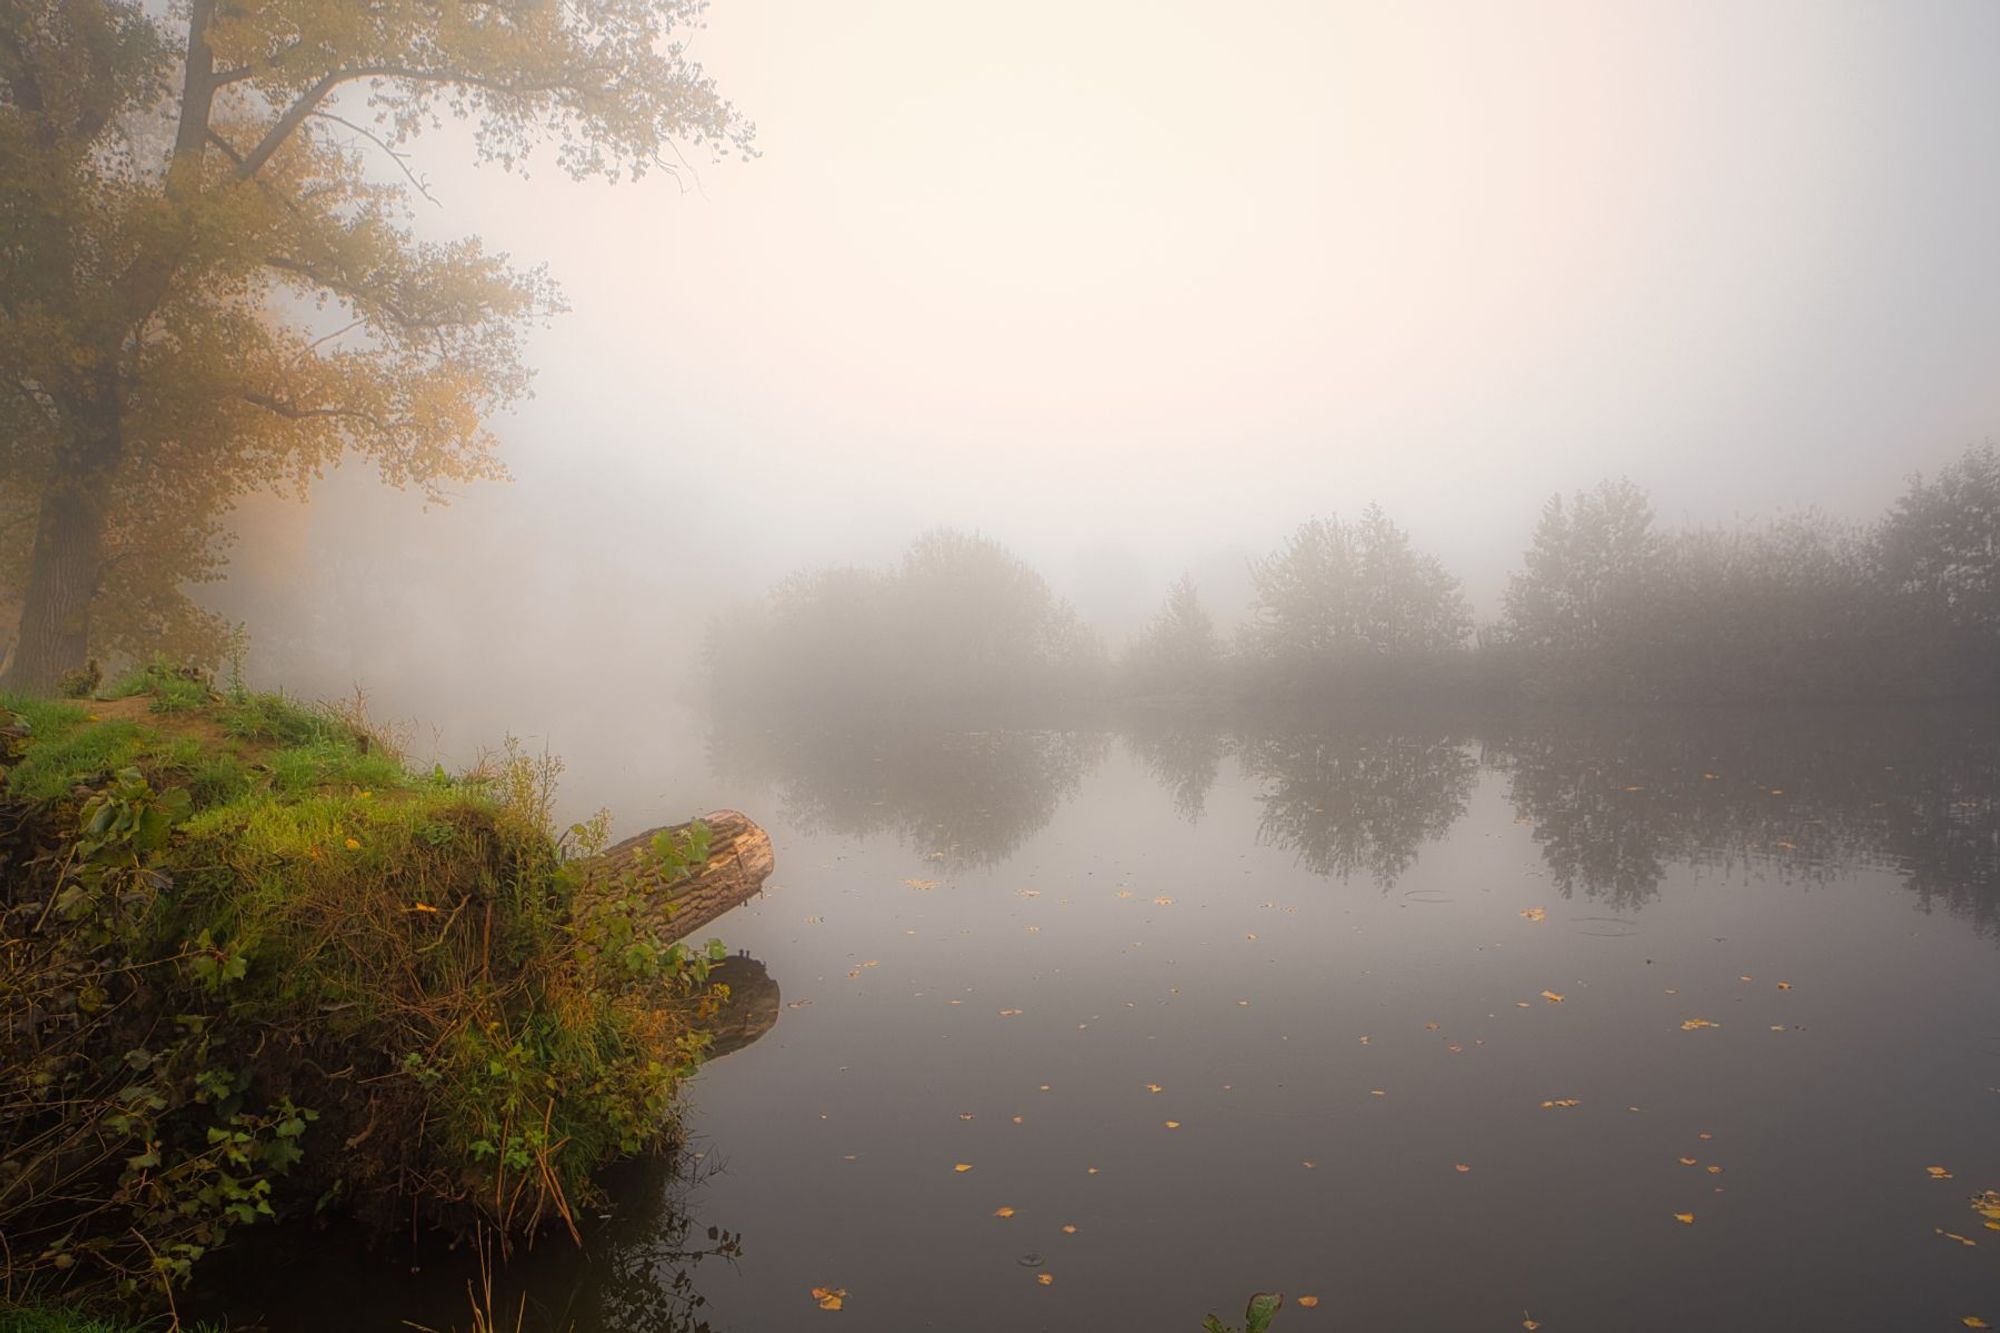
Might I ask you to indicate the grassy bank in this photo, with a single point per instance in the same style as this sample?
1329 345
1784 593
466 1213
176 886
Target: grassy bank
251 966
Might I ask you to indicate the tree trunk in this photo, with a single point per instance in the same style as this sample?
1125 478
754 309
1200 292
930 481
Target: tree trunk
63 574
739 861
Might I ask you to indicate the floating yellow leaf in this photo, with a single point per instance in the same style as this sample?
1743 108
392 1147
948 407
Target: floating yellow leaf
965 1115
1364 1041
1377 1092
962 1166
1154 1087
1163 901
1562 1103
1715 1170
1003 1212
1974 1321
1528 1323
1251 936
1090 1170
1009 1013
1309 1165
1460 1167
1018 1120
1695 1024
1307 1302
1045 1279
1784 985
921 883
1938 1173
1173 1124
830 1298
1686 1219
1069 1229
1552 997
1534 914
1430 1027
1687 1161
1953 1235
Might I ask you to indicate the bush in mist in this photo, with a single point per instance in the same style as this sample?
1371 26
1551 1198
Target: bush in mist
1343 604
1178 652
959 620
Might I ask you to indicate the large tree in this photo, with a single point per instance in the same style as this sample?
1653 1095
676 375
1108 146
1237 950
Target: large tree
208 279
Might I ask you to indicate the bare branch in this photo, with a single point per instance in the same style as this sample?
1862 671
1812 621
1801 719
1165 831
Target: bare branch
400 159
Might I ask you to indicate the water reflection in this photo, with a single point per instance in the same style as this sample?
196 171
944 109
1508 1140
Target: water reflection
1183 754
967 797
1614 800
1353 802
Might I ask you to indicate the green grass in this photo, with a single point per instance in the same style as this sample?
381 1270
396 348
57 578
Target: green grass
62 1319
169 689
68 748
334 980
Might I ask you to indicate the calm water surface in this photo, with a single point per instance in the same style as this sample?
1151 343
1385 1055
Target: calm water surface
1447 1025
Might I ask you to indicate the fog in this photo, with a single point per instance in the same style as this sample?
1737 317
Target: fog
1135 289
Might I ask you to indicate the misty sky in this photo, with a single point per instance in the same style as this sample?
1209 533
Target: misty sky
1136 286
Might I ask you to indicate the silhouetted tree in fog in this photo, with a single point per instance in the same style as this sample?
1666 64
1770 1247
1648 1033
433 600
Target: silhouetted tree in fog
1179 652
1340 601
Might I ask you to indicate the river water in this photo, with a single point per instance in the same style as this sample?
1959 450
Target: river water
1626 1021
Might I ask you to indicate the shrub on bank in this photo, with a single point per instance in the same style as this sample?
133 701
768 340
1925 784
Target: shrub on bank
250 965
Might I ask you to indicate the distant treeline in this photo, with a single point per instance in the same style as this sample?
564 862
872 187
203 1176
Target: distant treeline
1605 604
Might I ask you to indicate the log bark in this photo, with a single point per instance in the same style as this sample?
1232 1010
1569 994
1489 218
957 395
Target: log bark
739 861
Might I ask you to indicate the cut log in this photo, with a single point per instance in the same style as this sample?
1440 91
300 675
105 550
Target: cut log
739 861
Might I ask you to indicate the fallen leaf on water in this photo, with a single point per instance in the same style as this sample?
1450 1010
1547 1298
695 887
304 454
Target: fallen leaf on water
1953 1235
1552 997
1003 1212
1046 1279
1534 914
1974 1321
1377 1092
1069 1229
1309 1165
1163 901
853 972
1090 1170
1784 985
1364 1041
1018 1120
1694 1024
1430 1027
1124 893
1460 1167
1938 1173
1307 1301
1562 1103
1009 1013
1987 1205
921 883
1686 1219
1687 1161
1154 1087
1715 1170
830 1298
1704 1135
1522 1004
961 1166
1173 1124
1251 936
1529 1323
1245 1004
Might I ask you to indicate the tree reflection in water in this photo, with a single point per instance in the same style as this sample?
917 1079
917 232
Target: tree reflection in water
1614 798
